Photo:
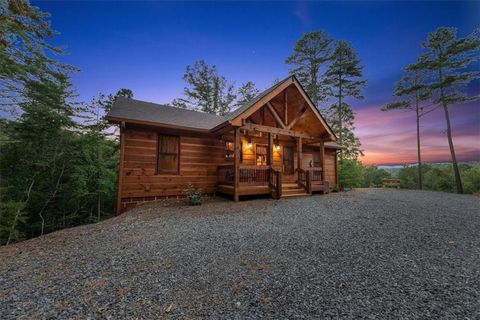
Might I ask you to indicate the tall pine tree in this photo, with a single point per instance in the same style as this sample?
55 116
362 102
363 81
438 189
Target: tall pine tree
206 90
246 92
343 78
447 58
310 54
413 91
25 51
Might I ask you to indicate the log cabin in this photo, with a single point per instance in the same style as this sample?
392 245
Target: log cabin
278 144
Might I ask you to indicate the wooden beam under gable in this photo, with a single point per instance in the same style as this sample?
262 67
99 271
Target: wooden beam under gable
291 133
237 121
275 114
332 136
297 117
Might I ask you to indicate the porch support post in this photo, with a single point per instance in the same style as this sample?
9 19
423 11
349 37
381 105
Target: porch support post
299 156
236 134
322 158
270 149
120 168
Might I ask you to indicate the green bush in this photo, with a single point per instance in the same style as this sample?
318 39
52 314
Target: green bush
193 195
471 178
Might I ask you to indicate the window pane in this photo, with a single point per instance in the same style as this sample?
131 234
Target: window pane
261 150
167 163
229 149
168 144
168 154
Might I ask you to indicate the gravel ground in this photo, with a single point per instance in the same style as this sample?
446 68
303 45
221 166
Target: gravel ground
375 254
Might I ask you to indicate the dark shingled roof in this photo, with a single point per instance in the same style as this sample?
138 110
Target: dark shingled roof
232 115
333 145
125 109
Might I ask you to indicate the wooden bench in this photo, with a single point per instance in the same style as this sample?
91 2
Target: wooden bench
387 183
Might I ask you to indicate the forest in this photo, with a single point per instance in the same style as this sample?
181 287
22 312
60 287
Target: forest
59 156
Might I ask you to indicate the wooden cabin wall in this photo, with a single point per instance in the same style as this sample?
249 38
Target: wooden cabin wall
330 167
199 157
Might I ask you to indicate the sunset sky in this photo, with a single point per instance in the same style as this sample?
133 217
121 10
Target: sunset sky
145 46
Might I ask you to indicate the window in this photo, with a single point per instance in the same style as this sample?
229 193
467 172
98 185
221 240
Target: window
261 153
168 154
229 150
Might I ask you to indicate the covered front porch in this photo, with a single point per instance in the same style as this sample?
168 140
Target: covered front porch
271 163
275 145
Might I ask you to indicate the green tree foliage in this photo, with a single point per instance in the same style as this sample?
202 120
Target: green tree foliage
58 167
247 92
353 174
447 59
56 173
206 90
372 176
439 177
343 78
413 92
24 50
311 53
350 173
471 178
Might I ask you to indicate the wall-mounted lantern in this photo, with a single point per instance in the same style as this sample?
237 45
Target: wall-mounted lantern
249 143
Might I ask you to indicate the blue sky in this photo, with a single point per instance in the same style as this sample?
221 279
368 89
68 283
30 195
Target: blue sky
145 46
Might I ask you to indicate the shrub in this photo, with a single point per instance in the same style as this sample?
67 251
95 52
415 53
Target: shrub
193 195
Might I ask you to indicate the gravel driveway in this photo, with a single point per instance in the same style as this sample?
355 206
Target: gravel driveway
383 254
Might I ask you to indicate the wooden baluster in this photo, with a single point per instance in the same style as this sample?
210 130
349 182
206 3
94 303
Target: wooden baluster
236 182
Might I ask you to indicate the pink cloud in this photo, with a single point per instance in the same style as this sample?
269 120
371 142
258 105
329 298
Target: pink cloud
390 137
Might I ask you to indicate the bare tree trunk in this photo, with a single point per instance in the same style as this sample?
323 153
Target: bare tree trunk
50 199
419 158
98 207
456 172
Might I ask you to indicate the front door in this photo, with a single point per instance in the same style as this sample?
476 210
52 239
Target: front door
288 165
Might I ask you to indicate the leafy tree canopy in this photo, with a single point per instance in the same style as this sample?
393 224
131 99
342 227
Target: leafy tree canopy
206 90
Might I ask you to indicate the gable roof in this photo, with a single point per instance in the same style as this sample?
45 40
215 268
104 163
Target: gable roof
245 106
131 110
254 104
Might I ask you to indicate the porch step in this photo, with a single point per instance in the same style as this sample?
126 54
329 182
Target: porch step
292 190
290 186
295 195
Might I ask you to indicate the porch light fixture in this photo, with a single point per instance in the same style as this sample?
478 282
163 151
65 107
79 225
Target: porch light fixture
249 143
277 145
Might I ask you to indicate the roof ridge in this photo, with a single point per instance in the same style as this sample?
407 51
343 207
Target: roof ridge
170 106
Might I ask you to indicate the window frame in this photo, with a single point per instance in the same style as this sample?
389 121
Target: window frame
229 154
158 170
266 154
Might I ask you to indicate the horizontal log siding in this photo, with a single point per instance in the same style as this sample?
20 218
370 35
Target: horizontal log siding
199 157
330 173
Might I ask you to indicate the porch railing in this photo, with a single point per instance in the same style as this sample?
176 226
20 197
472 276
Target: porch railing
275 183
305 179
248 175
254 175
316 175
